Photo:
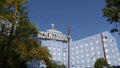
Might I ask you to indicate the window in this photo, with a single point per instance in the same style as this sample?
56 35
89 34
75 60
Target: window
105 45
54 53
81 51
107 56
81 46
64 54
106 50
114 56
72 49
87 55
73 62
97 42
113 51
86 50
54 48
58 49
59 54
78 62
86 44
73 58
64 59
49 48
77 57
91 43
94 59
54 58
109 62
58 58
77 52
98 47
83 61
92 48
93 53
111 40
104 39
98 52
72 53
88 60
111 45
82 56
76 47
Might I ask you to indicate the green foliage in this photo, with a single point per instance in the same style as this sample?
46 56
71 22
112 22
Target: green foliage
17 33
55 65
99 63
112 12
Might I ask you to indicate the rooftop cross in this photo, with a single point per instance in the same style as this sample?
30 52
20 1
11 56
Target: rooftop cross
52 25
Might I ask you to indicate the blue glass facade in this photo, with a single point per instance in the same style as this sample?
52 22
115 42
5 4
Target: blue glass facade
83 52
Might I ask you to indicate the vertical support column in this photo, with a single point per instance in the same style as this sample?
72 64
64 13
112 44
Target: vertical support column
106 64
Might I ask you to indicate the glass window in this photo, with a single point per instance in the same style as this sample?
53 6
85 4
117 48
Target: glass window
91 43
77 52
98 52
59 54
111 40
76 47
83 61
81 46
82 56
77 57
73 58
88 60
104 39
86 50
105 45
58 49
64 59
109 62
73 62
106 50
86 44
64 54
72 49
97 42
81 51
93 53
92 48
54 48
58 58
98 47
78 62
107 56
54 53
113 51
87 55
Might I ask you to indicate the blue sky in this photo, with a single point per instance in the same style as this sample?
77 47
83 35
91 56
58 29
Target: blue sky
85 16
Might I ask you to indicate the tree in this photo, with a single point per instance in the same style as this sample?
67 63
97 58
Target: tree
18 42
53 64
99 63
112 13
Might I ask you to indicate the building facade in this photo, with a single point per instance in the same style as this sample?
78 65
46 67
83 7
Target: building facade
83 52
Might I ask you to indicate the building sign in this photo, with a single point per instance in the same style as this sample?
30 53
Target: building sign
52 36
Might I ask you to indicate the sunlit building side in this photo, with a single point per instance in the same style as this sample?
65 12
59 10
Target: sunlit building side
83 52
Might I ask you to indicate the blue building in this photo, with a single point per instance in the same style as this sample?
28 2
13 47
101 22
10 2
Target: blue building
83 52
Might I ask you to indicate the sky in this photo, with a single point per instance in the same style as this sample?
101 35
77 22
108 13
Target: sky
85 17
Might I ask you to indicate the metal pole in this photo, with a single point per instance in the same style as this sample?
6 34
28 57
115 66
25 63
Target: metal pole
68 51
69 29
106 64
